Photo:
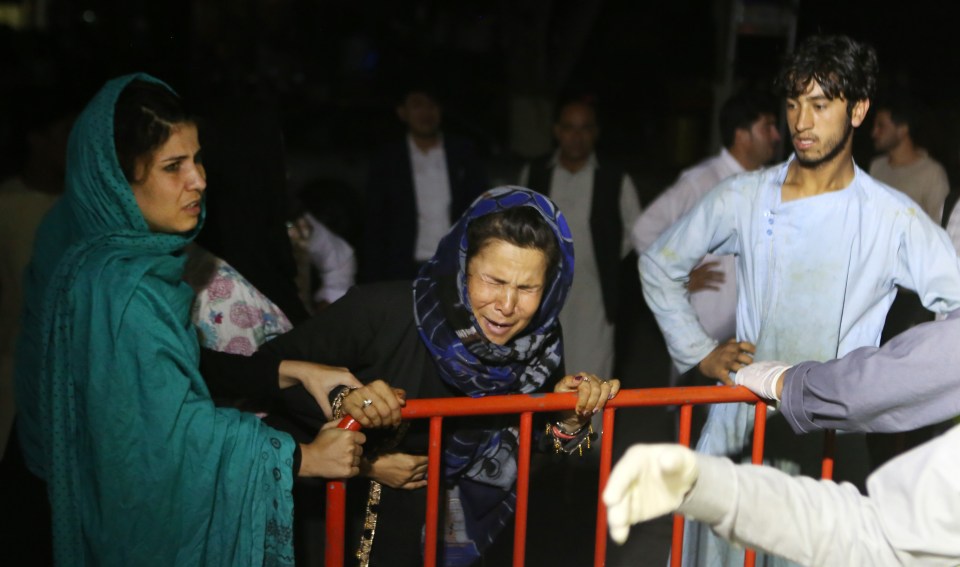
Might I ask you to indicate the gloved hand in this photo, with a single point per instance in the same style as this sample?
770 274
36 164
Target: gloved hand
649 481
762 378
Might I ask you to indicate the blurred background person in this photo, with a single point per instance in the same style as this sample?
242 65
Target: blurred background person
416 187
748 132
601 204
42 125
331 228
903 163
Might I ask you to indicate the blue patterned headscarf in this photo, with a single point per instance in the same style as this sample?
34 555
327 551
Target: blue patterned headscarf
480 465
113 414
480 367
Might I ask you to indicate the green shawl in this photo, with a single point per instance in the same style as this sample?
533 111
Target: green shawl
141 468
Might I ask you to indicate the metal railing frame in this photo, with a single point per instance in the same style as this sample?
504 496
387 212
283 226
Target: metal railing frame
526 405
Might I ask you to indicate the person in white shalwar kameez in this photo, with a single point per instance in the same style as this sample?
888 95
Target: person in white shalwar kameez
748 130
820 246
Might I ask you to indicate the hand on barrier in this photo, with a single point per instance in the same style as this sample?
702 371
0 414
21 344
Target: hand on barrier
592 391
649 481
376 404
762 378
333 453
318 379
727 357
398 470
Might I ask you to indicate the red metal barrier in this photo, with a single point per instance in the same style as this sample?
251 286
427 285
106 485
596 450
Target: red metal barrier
526 405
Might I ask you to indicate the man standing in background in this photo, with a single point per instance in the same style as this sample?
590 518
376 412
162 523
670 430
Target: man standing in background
905 165
416 187
748 131
600 204
44 125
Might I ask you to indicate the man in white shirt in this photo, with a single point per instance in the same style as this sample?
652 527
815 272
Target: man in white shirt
748 131
600 204
416 188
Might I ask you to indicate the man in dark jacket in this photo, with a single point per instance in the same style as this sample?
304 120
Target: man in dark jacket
416 187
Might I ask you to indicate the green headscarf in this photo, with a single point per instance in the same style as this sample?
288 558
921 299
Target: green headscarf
141 468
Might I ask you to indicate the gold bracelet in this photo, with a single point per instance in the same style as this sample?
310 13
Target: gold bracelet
336 408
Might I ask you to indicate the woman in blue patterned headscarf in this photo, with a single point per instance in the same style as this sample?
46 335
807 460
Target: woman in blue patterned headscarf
483 321
140 467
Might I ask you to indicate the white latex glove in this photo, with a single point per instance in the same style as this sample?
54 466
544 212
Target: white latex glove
762 378
649 481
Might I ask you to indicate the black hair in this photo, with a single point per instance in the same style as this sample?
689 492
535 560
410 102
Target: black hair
841 66
903 110
579 100
741 110
418 84
144 116
521 226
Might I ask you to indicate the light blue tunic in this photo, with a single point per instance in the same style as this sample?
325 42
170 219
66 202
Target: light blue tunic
816 276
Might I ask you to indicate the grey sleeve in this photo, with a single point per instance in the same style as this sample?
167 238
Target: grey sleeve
910 382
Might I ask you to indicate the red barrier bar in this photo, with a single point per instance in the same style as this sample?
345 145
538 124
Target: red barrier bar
523 489
526 405
676 547
433 492
606 461
337 510
759 432
829 448
519 403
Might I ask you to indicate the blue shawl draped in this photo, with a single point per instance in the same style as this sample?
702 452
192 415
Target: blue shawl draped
480 465
141 468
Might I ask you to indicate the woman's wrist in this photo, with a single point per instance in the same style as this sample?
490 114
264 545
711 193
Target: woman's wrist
336 393
571 422
569 441
337 397
306 457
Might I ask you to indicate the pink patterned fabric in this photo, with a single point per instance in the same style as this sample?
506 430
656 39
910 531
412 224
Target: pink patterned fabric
220 288
233 316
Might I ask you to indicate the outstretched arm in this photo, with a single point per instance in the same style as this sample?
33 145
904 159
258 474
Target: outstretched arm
907 383
906 520
810 522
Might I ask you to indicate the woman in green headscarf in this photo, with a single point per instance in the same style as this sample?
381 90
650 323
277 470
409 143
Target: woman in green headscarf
140 467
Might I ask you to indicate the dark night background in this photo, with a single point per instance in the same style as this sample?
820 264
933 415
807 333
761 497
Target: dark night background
333 68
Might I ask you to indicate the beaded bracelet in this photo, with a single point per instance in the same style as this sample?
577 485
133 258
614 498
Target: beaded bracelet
559 431
566 442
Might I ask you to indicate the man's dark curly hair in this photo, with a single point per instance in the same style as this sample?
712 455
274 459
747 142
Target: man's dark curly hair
841 66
